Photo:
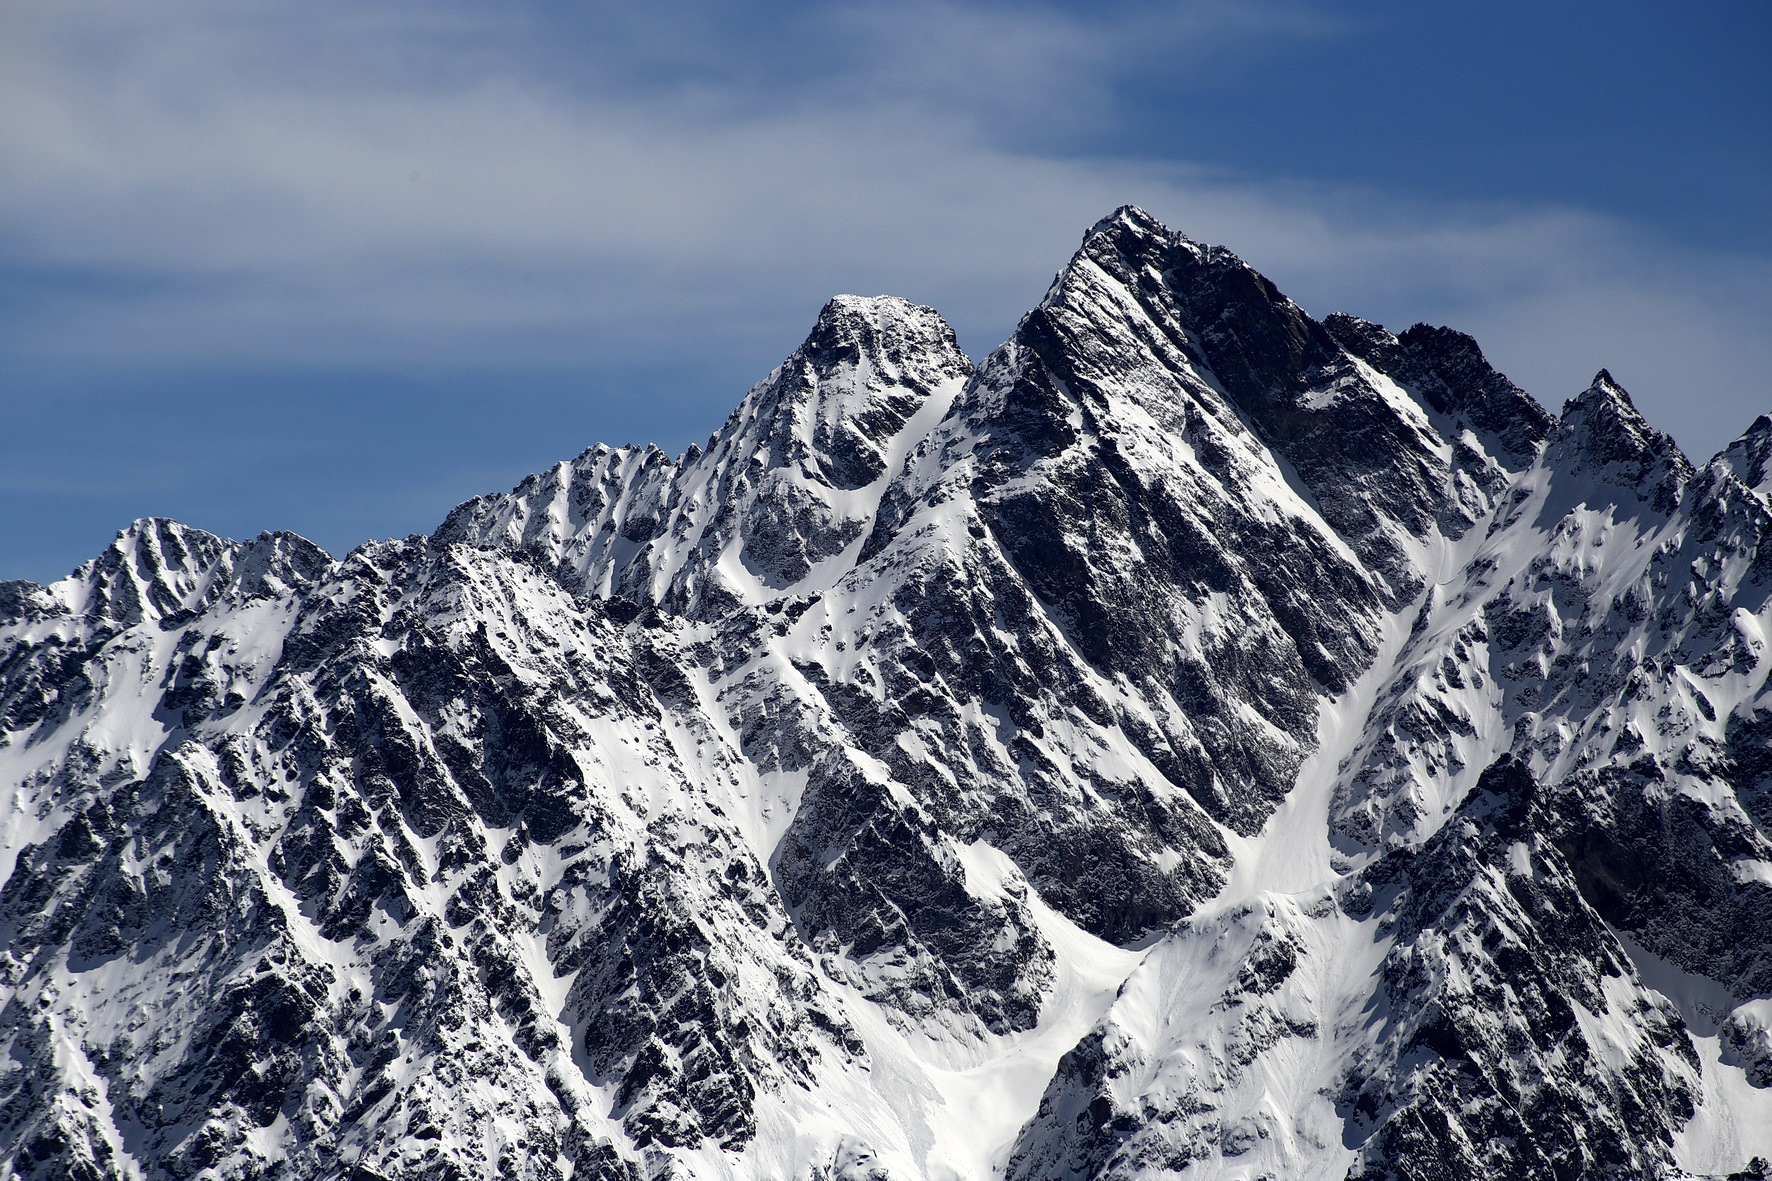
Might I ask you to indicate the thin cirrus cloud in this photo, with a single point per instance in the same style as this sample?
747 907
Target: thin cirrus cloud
669 193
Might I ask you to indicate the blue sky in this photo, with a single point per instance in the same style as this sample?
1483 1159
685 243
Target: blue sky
334 267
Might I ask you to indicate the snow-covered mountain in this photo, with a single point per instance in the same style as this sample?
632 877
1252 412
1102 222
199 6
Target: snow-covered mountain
1197 739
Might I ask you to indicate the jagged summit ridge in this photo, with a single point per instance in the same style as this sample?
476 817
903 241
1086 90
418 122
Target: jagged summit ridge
1194 739
791 480
158 569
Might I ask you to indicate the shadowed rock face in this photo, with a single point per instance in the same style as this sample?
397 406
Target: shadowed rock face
1195 737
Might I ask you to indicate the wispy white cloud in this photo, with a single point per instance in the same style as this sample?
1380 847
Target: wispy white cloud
419 185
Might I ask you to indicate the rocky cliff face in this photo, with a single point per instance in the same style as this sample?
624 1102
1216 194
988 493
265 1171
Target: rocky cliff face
1196 738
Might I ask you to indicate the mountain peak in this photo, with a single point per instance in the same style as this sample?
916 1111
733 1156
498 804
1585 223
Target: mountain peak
1605 388
1130 231
154 567
1130 218
882 329
1605 399
1749 457
157 569
867 364
1601 433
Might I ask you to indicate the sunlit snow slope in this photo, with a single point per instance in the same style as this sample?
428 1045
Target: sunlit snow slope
1195 740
